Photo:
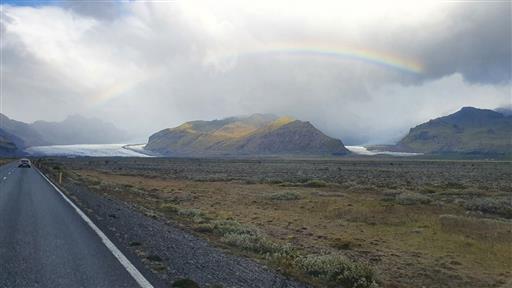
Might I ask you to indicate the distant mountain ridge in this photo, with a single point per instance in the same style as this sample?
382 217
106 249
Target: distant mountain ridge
77 129
8 146
258 134
20 133
507 111
470 130
16 135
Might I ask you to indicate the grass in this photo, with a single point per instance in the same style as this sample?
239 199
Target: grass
476 228
285 196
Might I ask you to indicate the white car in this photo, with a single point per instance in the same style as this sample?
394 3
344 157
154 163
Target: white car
24 163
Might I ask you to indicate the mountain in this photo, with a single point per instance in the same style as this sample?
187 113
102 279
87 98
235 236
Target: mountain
8 146
21 134
470 130
77 129
258 134
73 130
507 111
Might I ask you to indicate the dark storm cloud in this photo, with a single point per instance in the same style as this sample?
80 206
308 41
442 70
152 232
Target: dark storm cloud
475 41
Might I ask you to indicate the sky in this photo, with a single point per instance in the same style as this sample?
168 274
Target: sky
362 71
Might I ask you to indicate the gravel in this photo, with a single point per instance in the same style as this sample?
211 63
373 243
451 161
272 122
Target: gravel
172 253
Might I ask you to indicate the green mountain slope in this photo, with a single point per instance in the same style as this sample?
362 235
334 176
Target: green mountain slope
470 130
258 134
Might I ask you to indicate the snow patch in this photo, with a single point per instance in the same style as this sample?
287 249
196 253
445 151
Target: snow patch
89 150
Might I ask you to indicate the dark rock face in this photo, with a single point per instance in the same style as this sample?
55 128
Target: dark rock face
254 135
470 130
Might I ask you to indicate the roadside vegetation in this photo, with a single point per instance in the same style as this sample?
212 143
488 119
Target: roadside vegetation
386 223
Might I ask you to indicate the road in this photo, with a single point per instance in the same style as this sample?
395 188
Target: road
45 242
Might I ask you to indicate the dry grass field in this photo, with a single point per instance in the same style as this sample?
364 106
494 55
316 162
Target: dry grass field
360 223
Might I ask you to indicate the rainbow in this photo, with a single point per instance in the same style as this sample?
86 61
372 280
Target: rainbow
378 58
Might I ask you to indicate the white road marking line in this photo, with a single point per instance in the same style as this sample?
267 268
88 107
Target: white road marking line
5 178
141 280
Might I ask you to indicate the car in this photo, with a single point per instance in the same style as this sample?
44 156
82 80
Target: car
24 163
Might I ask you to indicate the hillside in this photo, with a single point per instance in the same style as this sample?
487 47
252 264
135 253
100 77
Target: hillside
20 133
258 134
73 130
7 145
79 130
470 130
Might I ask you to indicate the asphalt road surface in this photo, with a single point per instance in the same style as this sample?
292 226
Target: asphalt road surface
45 242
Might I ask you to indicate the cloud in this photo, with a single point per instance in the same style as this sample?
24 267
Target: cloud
103 10
475 41
149 66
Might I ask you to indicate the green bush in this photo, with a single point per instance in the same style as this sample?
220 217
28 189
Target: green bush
335 268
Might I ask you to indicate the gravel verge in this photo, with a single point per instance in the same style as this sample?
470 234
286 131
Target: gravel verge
170 252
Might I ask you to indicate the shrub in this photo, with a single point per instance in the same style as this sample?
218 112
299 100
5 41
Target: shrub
257 243
501 207
247 238
169 208
412 198
204 228
190 213
224 227
335 268
315 183
285 196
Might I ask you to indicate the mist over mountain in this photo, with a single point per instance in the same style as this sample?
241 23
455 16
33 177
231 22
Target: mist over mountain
507 111
7 144
77 129
21 134
258 134
16 135
470 130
